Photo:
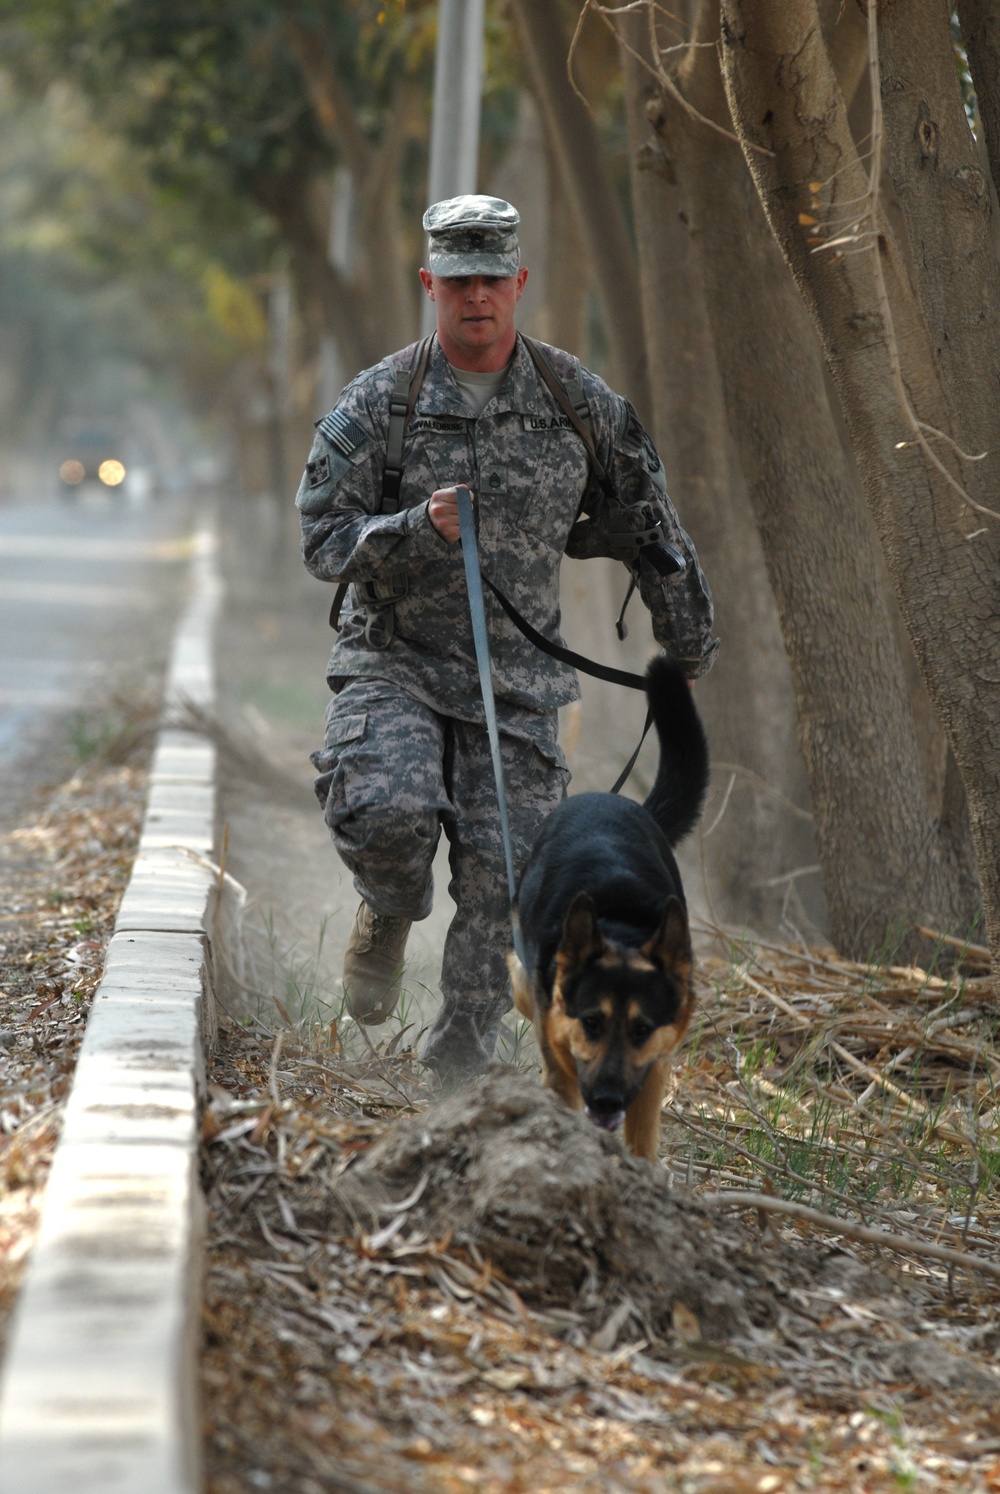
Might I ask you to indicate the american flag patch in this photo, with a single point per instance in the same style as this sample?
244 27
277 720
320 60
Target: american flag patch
344 434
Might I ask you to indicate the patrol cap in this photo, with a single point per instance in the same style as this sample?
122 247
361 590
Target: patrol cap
473 235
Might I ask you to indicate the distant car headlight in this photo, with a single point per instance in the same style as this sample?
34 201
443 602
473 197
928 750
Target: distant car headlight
111 473
72 472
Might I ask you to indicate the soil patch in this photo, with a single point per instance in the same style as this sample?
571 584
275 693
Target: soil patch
414 1293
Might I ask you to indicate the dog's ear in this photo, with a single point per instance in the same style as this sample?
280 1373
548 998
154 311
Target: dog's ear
581 938
671 944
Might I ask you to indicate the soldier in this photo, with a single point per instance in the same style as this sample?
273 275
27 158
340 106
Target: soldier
406 750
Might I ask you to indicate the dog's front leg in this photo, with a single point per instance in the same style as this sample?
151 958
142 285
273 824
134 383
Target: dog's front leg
520 985
560 1076
642 1118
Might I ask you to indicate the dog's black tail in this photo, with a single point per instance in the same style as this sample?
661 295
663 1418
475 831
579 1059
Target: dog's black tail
676 798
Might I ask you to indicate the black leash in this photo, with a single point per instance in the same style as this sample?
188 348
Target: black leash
577 661
600 671
566 655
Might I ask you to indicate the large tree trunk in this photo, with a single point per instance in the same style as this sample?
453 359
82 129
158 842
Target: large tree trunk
944 203
373 309
944 559
980 24
567 297
588 185
760 856
877 848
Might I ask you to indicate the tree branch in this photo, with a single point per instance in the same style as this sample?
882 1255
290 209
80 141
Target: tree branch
592 192
905 1244
328 97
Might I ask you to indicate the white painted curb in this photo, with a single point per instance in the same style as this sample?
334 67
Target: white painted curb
99 1388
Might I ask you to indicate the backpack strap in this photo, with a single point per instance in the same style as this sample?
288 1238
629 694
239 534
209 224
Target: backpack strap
404 396
570 399
409 380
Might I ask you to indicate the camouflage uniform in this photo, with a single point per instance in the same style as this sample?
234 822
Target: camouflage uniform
406 747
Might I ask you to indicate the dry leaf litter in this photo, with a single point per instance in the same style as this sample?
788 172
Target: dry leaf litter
63 869
414 1292
409 1291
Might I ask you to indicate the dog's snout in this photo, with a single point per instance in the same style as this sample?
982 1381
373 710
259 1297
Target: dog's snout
606 1108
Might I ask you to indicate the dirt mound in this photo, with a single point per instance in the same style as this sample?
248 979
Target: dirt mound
572 1219
580 1227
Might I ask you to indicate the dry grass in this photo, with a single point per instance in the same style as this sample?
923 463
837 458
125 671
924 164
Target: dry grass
402 1356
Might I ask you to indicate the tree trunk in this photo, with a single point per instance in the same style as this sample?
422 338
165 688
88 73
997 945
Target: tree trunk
875 839
372 310
980 25
762 839
567 296
588 184
943 558
944 202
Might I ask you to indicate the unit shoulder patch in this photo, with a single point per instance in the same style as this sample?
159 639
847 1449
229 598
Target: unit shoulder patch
318 472
636 444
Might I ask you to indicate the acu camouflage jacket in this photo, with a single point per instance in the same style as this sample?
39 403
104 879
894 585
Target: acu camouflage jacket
528 471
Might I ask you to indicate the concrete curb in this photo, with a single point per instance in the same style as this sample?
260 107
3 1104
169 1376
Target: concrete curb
99 1388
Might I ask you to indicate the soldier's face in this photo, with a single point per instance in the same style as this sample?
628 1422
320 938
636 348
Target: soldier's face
475 315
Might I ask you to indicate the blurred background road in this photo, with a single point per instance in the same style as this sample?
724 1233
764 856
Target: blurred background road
88 593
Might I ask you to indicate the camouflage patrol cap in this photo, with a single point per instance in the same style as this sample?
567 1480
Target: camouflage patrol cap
473 235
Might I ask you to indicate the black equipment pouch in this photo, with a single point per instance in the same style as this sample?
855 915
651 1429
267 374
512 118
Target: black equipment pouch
380 597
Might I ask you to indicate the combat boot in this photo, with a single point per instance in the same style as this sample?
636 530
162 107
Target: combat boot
373 964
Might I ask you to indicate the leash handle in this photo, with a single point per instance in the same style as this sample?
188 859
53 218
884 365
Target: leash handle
477 611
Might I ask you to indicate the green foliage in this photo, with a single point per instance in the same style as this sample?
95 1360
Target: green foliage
106 281
211 93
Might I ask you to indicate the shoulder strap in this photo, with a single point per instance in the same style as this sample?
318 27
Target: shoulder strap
573 414
404 396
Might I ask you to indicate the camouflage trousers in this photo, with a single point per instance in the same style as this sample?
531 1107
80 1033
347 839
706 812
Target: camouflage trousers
394 773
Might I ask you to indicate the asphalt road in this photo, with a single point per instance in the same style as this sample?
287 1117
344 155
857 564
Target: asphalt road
88 597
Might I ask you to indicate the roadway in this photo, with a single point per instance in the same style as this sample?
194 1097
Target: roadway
88 596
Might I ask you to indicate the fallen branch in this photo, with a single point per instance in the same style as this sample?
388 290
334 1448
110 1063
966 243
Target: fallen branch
976 951
905 1244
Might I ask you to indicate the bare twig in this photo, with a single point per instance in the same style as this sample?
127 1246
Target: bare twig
660 74
905 1244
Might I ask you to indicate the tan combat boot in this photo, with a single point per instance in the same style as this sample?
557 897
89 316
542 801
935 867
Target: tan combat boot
373 964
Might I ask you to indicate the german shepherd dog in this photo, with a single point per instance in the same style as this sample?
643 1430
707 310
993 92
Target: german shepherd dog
605 931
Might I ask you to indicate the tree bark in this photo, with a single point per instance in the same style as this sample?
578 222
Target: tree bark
944 204
785 99
980 25
567 296
877 848
600 220
762 840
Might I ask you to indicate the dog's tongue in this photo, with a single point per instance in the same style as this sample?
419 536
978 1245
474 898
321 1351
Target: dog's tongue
608 1121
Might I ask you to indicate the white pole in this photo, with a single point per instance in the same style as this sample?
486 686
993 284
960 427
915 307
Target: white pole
458 81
